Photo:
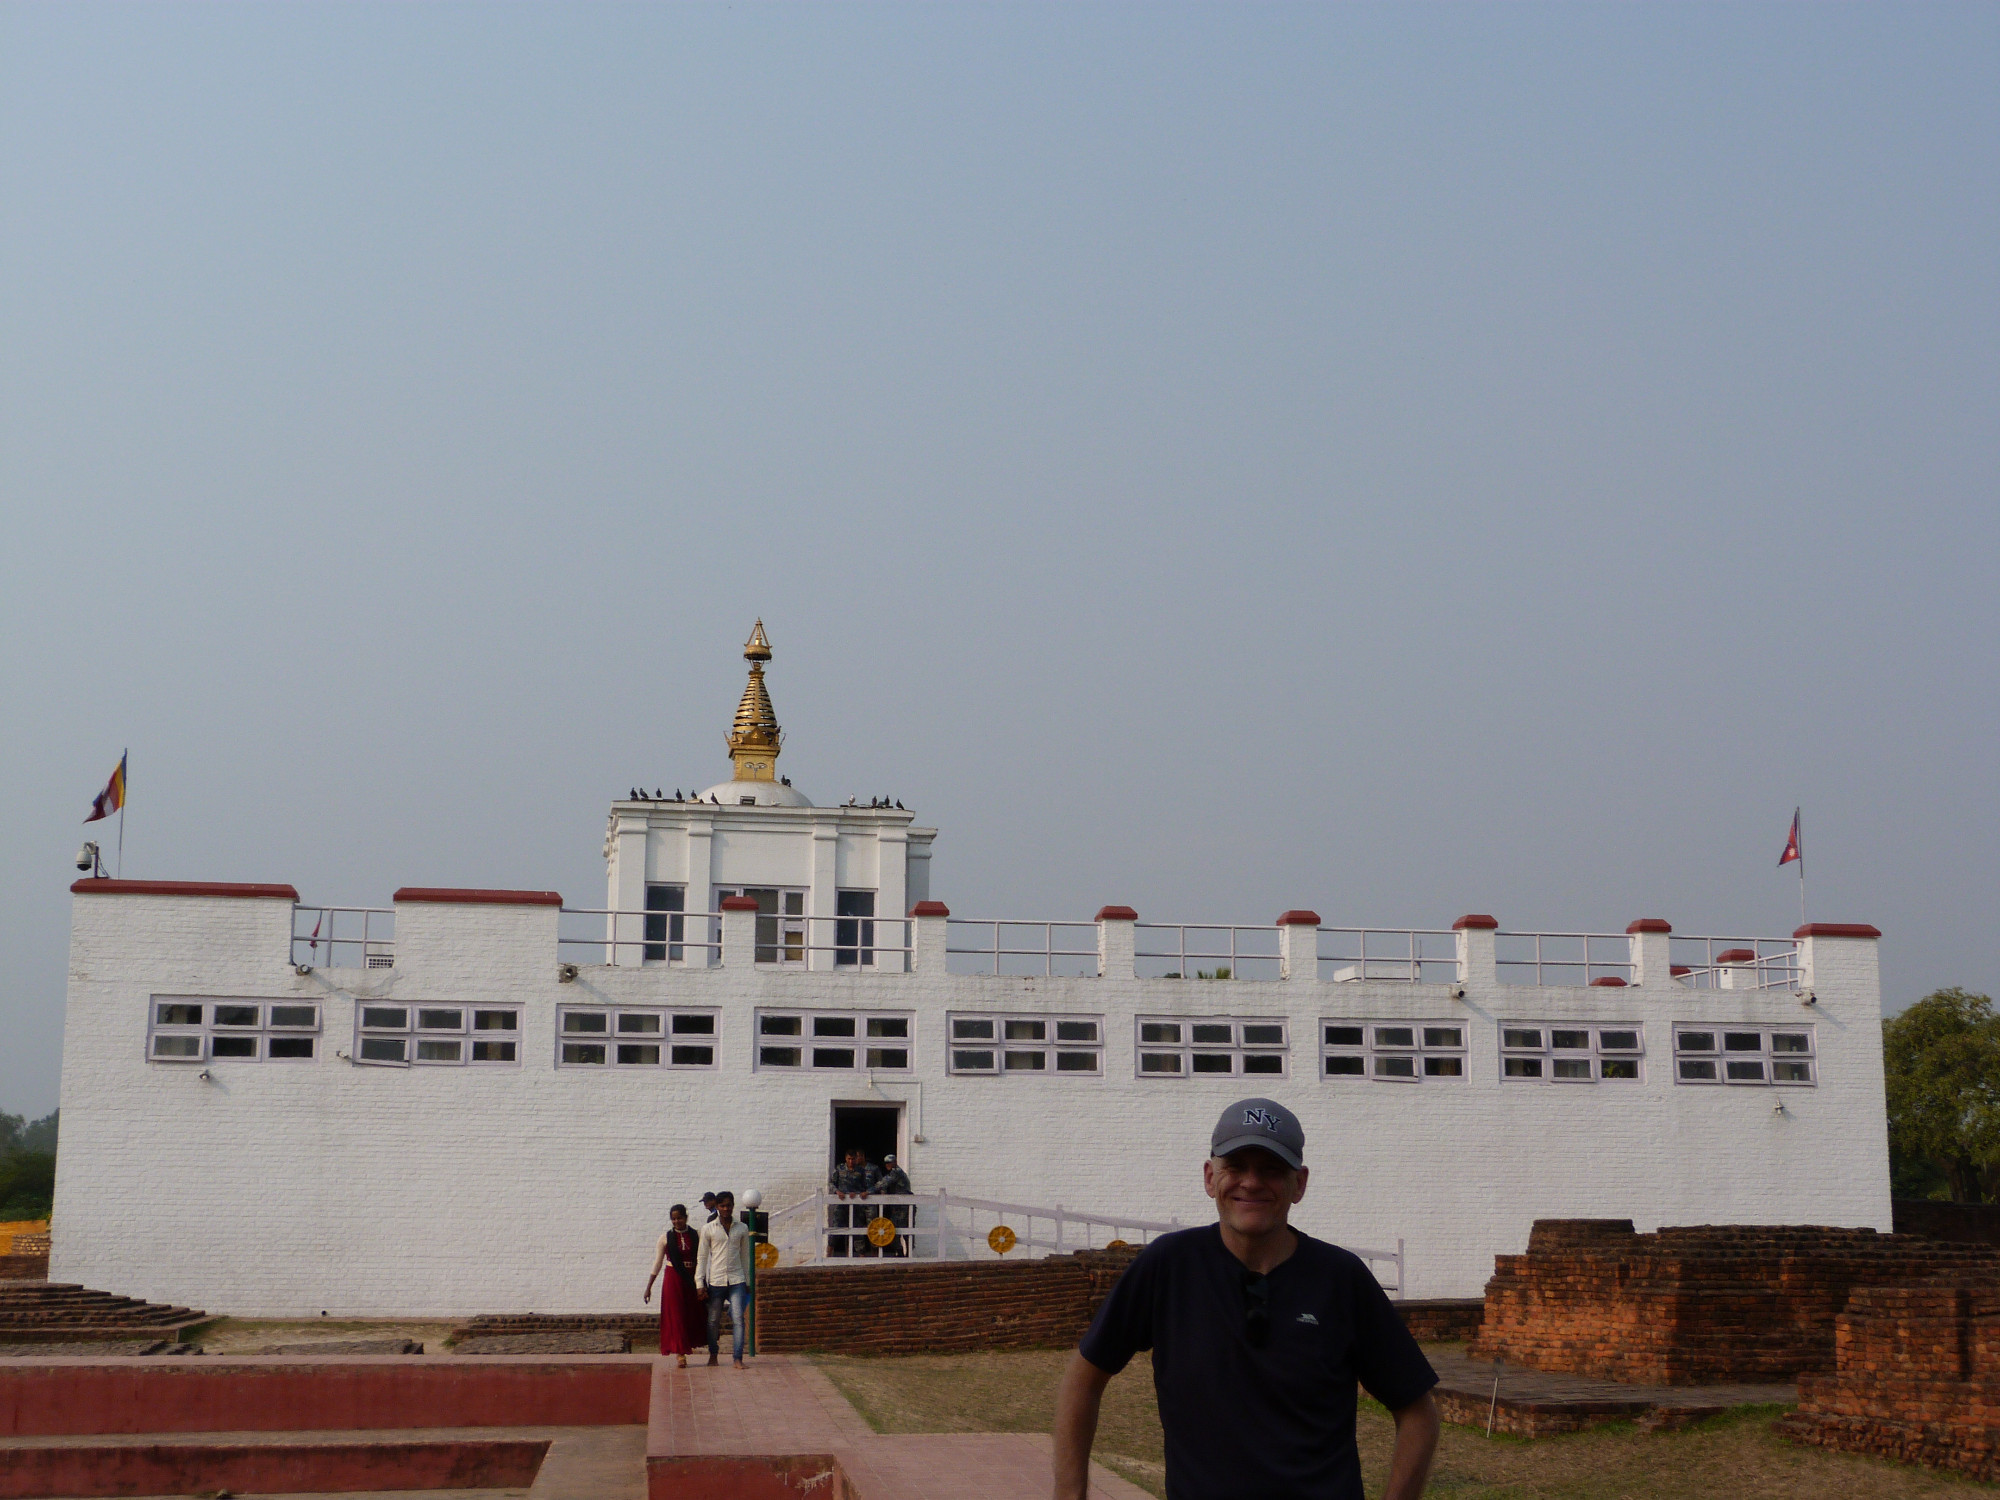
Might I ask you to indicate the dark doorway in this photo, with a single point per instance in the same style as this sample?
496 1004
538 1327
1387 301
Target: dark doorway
873 1128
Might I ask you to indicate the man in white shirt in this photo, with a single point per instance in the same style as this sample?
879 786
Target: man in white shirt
722 1274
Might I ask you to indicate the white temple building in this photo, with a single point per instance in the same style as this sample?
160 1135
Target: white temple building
485 1100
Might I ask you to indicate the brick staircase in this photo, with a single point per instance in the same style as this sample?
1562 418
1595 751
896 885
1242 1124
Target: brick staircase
42 1312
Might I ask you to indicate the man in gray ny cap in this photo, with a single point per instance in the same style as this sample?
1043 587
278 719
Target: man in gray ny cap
1260 1334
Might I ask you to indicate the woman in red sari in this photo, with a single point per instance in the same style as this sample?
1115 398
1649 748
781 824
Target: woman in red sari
683 1319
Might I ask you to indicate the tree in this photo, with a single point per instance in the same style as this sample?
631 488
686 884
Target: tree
1941 1058
27 1185
27 1166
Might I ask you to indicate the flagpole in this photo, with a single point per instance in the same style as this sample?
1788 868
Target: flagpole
1802 866
125 795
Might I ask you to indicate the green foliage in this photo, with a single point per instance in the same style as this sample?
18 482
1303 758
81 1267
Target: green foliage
27 1184
1941 1058
27 1166
18 1134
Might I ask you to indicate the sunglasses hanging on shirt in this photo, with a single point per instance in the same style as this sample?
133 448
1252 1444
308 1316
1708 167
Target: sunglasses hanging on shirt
1256 1309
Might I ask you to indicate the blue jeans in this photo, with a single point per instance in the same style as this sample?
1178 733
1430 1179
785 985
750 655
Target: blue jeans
738 1298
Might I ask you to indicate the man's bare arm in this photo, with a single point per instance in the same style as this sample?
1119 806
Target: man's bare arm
1416 1444
1076 1426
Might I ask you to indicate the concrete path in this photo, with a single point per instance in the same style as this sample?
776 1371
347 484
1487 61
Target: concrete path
779 1428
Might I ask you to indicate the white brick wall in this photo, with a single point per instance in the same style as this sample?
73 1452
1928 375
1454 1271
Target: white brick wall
285 1190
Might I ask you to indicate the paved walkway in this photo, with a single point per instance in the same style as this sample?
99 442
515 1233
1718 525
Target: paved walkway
779 1427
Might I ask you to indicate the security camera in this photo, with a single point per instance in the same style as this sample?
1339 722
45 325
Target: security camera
566 973
86 857
1458 992
205 1076
1808 998
302 969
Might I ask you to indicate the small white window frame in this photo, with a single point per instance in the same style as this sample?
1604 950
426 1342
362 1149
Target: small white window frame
789 935
1001 1049
204 1031
624 1027
1240 1049
1767 1055
1378 1052
1593 1055
413 1033
857 1044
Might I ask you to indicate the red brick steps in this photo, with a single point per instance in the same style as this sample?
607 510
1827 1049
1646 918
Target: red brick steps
48 1312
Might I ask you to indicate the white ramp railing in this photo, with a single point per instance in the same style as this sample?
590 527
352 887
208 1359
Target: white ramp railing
827 1229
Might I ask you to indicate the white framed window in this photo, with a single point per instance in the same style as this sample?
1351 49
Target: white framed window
635 1036
666 925
1393 1051
211 1028
781 920
1757 1055
1570 1052
837 1041
401 1034
1197 1046
996 1043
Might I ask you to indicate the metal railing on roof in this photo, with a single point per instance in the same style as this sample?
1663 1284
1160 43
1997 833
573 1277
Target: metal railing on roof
343 937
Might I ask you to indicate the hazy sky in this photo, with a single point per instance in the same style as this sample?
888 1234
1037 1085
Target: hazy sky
1395 461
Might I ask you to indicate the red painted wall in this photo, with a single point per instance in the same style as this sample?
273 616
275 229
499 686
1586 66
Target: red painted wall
62 1397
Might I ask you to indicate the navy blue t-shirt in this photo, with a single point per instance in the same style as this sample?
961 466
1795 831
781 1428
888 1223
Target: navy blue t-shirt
1275 1422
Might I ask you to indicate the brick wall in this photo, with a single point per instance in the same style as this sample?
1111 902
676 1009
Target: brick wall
1966 1223
1442 1319
1688 1306
939 1307
1916 1377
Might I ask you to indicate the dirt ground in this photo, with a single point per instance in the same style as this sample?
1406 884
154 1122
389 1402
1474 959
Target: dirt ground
247 1335
1736 1455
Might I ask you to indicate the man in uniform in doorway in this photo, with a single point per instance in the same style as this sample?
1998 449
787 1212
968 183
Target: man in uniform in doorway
895 1183
1259 1335
845 1181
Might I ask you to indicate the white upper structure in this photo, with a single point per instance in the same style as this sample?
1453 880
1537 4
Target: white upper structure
484 1101
758 834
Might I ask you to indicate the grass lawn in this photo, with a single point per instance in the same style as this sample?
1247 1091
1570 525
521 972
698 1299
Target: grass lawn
1737 1455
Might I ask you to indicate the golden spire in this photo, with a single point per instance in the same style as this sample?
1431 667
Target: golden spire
755 739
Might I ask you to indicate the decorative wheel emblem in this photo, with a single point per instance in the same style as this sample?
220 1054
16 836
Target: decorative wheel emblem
880 1232
767 1256
1001 1239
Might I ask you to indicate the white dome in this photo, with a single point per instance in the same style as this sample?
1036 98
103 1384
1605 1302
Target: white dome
763 793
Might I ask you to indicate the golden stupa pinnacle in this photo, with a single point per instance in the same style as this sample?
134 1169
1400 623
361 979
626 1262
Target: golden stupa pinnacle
755 739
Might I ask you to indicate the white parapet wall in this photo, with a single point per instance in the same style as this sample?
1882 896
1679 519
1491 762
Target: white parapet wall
289 1186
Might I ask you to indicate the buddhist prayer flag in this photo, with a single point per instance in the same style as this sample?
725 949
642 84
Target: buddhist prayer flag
112 798
1792 848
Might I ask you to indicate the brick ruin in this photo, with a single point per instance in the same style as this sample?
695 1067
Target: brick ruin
1696 1305
1916 1377
936 1307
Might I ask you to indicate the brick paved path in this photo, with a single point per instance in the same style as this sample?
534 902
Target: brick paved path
780 1428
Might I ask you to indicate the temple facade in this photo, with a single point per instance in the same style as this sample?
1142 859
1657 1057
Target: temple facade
485 1100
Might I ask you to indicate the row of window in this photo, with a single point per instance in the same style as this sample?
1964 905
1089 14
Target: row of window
781 924
392 1034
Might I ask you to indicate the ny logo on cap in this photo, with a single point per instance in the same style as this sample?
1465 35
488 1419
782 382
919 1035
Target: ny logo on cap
1261 1116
